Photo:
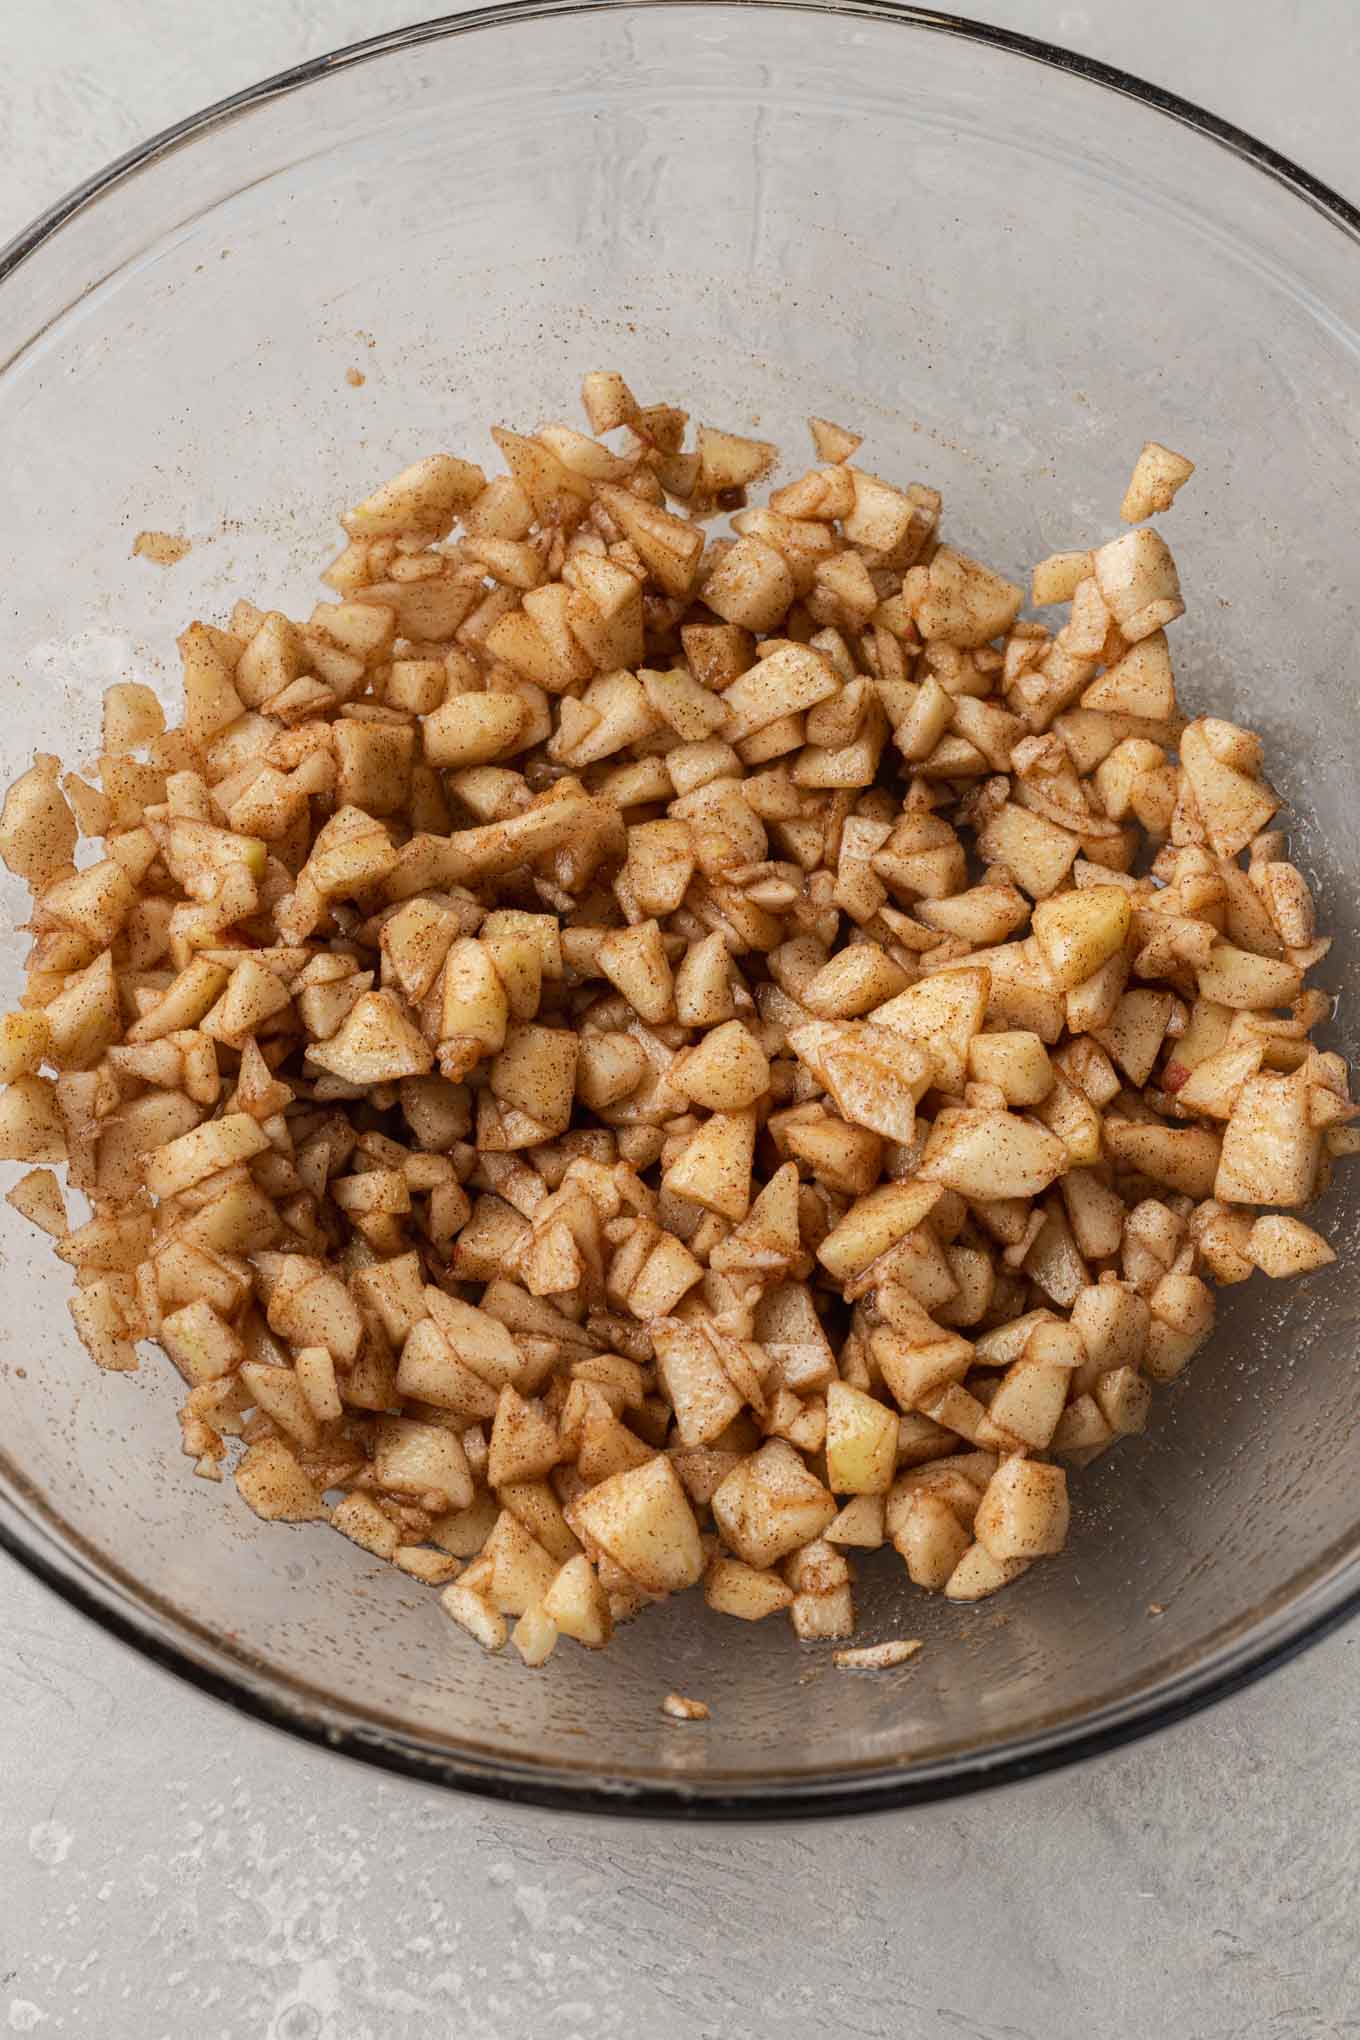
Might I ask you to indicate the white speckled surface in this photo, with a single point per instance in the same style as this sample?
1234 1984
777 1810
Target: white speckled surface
171 1873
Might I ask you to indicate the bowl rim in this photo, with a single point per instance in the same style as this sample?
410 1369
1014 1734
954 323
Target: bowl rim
1314 1603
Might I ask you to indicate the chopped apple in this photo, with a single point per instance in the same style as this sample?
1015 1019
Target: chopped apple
1080 931
1270 1149
733 1588
578 1605
1023 1512
861 1442
642 1518
992 1155
771 1504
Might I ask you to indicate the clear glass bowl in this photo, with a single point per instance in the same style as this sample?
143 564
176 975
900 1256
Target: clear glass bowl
1007 268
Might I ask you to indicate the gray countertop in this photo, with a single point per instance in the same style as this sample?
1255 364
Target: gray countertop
173 1873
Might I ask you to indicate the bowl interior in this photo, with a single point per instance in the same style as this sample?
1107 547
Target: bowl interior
1005 275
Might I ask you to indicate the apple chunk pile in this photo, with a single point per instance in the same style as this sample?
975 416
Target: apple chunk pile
611 1057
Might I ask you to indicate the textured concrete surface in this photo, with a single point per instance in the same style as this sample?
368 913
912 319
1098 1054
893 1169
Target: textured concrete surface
170 1873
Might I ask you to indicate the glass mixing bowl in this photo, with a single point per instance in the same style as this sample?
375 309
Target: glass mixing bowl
1006 267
